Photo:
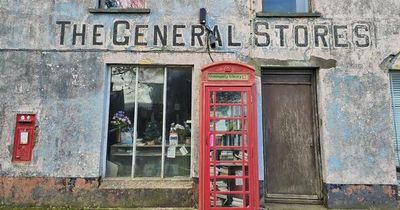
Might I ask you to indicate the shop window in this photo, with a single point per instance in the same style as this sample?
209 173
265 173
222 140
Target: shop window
125 4
395 93
286 6
149 133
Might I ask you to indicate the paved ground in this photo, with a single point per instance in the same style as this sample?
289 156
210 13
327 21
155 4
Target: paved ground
302 207
269 207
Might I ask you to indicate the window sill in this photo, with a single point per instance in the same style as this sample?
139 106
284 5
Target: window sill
146 183
120 11
288 15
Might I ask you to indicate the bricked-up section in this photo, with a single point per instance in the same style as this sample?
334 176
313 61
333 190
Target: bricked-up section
360 196
87 192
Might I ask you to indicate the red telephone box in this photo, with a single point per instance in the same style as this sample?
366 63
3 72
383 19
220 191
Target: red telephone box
228 147
24 137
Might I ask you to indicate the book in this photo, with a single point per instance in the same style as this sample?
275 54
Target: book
227 155
237 202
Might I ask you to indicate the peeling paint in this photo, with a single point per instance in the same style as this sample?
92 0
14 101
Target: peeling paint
361 196
66 84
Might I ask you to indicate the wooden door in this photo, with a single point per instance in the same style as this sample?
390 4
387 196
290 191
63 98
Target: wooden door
290 135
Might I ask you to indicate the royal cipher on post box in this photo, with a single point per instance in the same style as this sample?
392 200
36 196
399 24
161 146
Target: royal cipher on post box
24 137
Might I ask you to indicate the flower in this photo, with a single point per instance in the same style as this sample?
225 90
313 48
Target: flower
179 127
120 120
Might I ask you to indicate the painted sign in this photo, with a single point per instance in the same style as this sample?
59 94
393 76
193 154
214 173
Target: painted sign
265 34
232 77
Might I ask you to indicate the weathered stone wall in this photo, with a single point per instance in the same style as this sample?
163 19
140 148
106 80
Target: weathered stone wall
78 193
48 70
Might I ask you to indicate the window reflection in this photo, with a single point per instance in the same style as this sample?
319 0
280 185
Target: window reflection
179 97
137 104
122 102
124 3
285 6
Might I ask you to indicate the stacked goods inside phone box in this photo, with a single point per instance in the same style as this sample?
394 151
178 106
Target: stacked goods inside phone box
227 185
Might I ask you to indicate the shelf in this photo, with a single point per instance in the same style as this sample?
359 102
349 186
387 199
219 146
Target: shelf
229 132
219 177
146 146
239 163
226 118
228 104
125 150
218 147
122 154
230 192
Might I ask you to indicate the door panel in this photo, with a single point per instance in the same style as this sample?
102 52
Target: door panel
228 148
289 133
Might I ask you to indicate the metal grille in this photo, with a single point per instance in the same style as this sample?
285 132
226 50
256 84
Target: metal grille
395 92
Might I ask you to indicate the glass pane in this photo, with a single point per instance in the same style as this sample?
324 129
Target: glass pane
229 139
121 113
226 200
285 5
227 191
225 111
227 156
212 97
226 125
124 3
178 119
149 122
228 97
226 185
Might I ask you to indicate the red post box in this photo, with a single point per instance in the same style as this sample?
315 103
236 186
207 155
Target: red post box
24 137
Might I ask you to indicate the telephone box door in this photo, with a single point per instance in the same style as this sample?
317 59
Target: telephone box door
229 149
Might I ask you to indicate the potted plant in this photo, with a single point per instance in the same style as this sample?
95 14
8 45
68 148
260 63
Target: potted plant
182 131
151 134
122 123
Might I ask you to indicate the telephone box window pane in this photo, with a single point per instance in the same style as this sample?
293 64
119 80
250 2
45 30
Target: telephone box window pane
120 128
178 120
226 111
228 97
124 3
229 139
228 125
285 6
149 122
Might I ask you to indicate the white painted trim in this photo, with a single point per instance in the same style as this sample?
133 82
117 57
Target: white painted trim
194 92
164 122
106 109
135 124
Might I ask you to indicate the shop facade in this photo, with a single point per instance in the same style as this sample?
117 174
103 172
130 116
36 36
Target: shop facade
199 103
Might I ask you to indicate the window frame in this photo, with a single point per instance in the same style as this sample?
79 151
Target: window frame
395 115
100 8
105 157
308 14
